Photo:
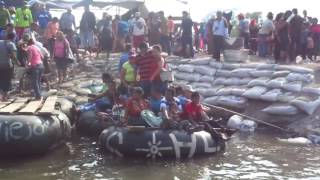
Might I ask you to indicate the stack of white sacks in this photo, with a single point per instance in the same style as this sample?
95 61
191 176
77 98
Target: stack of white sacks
289 89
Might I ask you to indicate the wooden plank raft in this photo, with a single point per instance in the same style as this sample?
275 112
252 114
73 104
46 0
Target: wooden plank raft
48 107
31 107
4 104
14 106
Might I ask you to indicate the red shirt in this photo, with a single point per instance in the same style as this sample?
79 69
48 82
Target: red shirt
135 107
146 65
194 111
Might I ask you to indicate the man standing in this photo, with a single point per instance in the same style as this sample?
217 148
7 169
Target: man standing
8 52
295 28
186 37
264 35
4 16
244 30
43 17
171 27
67 21
139 30
164 30
23 20
148 68
220 32
87 26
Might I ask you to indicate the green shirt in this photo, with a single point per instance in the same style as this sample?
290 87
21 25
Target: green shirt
4 17
23 18
130 72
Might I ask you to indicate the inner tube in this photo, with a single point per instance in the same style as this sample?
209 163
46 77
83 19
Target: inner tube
24 135
89 124
66 107
157 143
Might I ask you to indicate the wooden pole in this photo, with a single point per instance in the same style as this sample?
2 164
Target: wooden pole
251 118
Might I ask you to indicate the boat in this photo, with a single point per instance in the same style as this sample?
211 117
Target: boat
126 142
30 127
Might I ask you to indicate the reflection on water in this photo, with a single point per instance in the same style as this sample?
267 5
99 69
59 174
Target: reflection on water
255 157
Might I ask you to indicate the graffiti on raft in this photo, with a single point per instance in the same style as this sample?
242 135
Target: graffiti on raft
12 131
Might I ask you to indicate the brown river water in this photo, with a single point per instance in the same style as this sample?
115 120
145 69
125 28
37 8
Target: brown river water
257 156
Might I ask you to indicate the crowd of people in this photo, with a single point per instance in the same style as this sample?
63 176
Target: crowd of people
33 40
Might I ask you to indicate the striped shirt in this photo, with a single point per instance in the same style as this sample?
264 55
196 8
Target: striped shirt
146 66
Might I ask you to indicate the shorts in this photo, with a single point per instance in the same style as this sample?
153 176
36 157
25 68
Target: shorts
87 40
137 40
61 63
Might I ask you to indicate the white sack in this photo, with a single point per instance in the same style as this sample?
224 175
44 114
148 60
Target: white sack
281 109
255 92
306 104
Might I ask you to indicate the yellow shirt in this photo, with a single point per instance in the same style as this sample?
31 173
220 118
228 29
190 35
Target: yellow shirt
130 75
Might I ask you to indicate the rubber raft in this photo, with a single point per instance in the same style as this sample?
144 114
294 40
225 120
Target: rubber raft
33 127
151 143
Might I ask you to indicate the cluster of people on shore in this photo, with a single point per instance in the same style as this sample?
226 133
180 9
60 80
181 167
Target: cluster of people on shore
284 36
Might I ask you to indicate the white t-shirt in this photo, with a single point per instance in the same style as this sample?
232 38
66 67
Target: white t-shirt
267 27
138 26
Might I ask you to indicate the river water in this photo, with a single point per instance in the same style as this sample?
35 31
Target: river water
258 156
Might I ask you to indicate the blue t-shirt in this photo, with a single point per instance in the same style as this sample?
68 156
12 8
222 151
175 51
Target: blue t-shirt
183 100
123 28
123 58
155 104
43 17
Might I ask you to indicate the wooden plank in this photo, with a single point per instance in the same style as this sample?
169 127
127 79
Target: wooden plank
31 107
48 106
4 104
15 106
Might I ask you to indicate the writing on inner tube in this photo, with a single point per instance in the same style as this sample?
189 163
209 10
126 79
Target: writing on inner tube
19 131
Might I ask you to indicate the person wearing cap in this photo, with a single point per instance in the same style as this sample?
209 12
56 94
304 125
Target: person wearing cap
67 21
43 17
139 30
265 33
5 17
244 30
23 19
186 36
8 52
128 72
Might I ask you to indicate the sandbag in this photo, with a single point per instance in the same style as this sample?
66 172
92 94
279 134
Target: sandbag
81 100
281 109
204 70
283 73
82 91
219 81
295 69
261 73
186 68
307 104
276 83
255 92
216 65
187 76
232 101
262 81
180 83
245 81
272 95
312 90
295 141
238 91
307 78
224 91
67 85
206 78
212 91
223 73
211 100
241 73
250 65
286 97
201 85
229 66
266 66
201 61
231 81
293 86
201 91
172 66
